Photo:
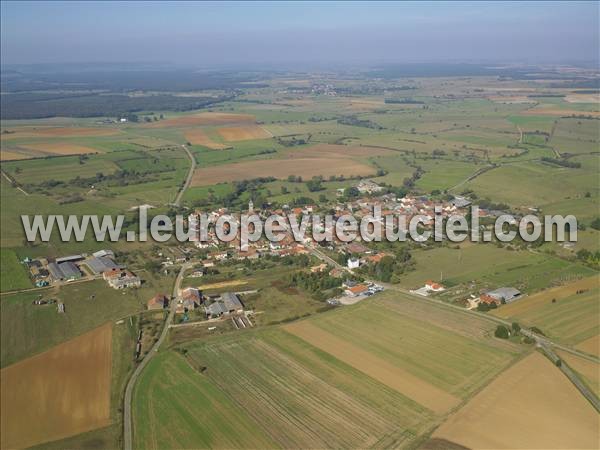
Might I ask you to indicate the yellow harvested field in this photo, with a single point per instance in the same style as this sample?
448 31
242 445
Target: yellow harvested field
205 118
35 132
536 300
591 346
59 393
7 155
223 284
244 133
559 112
512 99
588 369
379 369
199 137
280 168
583 98
57 148
530 406
323 159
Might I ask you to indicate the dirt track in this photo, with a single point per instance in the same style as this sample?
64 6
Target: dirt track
59 393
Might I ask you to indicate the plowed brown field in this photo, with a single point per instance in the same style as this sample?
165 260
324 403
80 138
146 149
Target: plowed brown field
59 393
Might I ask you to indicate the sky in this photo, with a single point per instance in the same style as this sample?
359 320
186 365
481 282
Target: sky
226 33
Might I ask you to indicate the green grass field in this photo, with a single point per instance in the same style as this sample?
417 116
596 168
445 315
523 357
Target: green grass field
489 266
284 392
14 274
30 329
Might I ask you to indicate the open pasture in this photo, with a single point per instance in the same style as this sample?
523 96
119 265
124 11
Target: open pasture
531 405
64 391
13 274
243 133
490 266
561 313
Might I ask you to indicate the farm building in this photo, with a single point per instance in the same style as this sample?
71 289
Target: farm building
100 264
215 309
190 299
232 302
228 303
460 202
102 253
357 290
505 294
71 258
121 278
433 286
368 187
64 271
159 301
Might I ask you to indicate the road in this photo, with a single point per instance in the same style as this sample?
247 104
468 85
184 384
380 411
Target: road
188 180
541 340
127 418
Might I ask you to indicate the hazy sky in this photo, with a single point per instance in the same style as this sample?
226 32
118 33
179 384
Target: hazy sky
232 33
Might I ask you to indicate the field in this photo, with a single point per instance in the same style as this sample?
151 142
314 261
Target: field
36 150
28 329
561 313
199 137
591 345
588 370
323 160
490 266
370 375
64 391
244 133
204 118
531 405
55 132
14 274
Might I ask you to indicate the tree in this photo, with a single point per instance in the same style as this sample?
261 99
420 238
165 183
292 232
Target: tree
516 327
595 223
502 332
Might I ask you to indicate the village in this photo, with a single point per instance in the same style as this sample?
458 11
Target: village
348 262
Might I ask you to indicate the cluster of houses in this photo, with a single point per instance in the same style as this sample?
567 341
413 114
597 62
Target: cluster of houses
192 299
46 271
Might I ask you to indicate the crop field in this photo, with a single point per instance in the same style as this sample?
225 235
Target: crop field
590 345
14 274
323 160
204 118
199 137
531 405
491 266
64 391
281 168
588 370
29 329
244 133
561 313
11 133
351 377
36 150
